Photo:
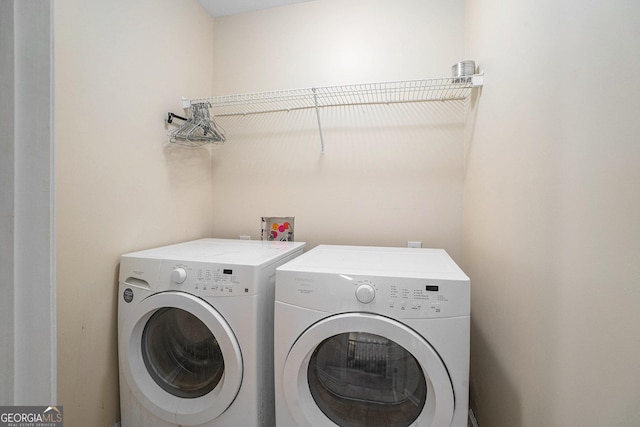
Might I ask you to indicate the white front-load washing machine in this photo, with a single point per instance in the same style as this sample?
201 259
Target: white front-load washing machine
370 336
195 337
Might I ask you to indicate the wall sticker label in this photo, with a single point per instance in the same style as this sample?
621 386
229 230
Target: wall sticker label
32 416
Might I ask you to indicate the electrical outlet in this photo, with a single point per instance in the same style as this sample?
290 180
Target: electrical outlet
414 244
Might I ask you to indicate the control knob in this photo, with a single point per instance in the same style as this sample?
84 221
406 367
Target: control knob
365 293
178 275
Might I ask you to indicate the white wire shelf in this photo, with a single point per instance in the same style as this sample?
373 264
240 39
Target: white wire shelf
426 90
438 89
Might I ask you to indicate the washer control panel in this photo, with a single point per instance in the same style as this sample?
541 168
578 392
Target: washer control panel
206 279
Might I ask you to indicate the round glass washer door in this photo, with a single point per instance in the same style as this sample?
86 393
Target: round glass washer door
181 354
186 359
359 369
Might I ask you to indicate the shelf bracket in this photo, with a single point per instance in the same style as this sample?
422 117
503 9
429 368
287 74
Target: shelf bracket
315 100
477 79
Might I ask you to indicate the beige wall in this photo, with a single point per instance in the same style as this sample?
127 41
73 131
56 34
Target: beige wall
551 213
120 67
549 228
391 173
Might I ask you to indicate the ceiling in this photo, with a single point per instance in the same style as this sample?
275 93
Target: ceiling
231 7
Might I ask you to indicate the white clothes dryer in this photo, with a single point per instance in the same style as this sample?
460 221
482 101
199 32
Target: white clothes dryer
195 338
370 336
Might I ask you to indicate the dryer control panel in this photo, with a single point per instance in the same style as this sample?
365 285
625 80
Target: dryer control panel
426 296
394 297
396 282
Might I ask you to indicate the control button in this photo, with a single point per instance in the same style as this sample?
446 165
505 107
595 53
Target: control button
178 275
365 293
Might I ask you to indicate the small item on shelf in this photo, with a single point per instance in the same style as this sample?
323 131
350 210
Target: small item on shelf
463 71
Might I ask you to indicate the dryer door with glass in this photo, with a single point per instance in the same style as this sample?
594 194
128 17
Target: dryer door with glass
359 369
183 360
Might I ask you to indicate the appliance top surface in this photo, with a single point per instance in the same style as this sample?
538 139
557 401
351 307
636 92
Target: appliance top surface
228 251
377 261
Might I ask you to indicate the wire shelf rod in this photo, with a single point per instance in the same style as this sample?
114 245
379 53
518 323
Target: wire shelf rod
310 107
